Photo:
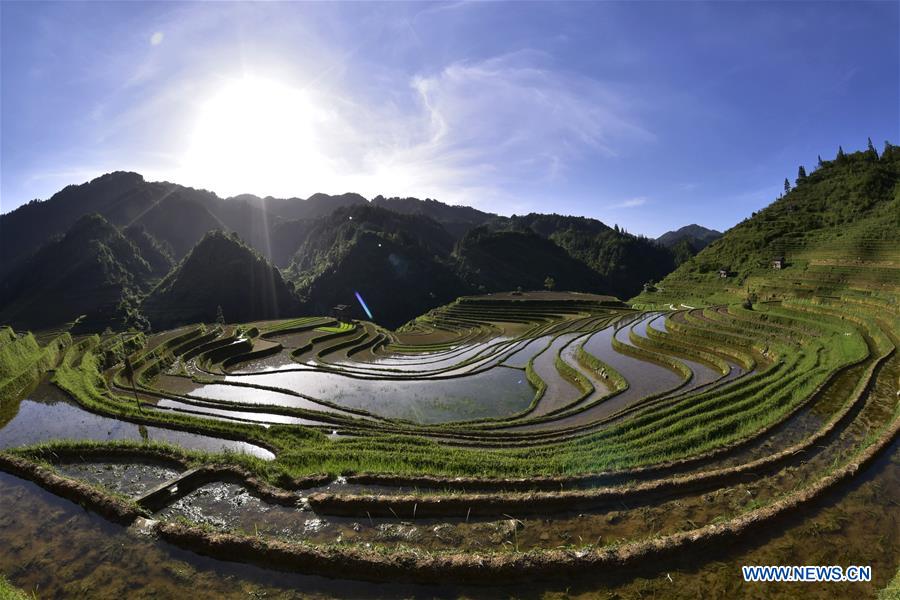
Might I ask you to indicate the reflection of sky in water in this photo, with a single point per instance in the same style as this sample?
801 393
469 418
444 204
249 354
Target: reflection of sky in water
54 417
520 357
233 393
703 374
559 390
209 412
497 392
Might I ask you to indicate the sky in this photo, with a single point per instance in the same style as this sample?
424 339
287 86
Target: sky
649 115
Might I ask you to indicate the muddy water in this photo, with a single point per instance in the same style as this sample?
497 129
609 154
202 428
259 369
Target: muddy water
858 525
48 414
231 507
56 548
131 479
52 544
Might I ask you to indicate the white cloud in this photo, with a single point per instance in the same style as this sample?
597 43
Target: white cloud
478 129
630 203
157 38
520 114
473 132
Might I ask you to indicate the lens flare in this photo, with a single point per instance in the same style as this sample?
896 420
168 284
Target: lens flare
363 304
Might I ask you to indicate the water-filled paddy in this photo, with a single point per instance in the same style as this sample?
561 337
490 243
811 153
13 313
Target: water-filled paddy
48 414
205 411
249 395
560 391
66 551
497 392
123 477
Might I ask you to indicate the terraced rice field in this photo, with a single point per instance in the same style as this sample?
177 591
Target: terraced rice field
562 438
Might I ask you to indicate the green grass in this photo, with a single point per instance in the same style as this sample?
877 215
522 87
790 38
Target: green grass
804 342
9 592
340 327
892 590
23 360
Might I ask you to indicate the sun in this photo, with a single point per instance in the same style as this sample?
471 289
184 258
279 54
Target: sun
255 135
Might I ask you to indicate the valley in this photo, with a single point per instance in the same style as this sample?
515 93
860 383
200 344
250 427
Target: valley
538 443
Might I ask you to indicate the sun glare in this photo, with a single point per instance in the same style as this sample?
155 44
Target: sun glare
255 135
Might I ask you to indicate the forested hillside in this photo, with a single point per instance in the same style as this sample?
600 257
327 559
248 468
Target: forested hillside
223 275
92 270
841 217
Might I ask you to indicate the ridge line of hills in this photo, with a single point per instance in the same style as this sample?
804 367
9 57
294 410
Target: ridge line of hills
132 253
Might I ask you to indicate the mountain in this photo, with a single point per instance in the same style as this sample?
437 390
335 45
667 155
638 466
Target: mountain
688 241
317 205
397 276
333 235
624 261
175 215
838 227
158 257
491 260
325 245
220 271
285 238
400 263
92 270
456 219
697 236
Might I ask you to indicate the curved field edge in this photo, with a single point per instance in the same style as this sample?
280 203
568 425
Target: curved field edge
302 450
380 564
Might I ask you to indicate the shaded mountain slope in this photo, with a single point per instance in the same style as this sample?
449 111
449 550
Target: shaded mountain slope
92 270
220 271
503 260
456 219
158 257
333 235
697 236
398 278
624 261
177 216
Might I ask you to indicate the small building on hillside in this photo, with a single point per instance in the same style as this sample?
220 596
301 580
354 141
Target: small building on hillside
341 312
724 272
778 262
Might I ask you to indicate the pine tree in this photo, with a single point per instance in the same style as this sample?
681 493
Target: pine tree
873 153
821 164
801 174
787 185
887 149
840 154
220 317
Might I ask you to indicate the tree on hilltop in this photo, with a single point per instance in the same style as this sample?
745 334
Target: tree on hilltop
873 153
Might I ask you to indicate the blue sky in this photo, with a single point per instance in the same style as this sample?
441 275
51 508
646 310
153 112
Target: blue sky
650 115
